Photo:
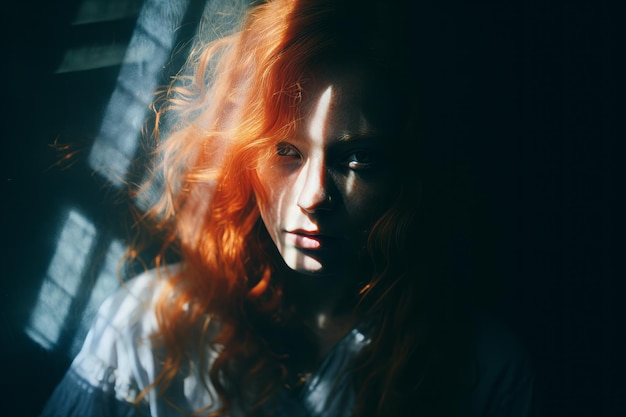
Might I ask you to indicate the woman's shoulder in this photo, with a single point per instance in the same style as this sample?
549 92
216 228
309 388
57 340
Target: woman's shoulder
121 333
134 297
501 370
128 313
496 339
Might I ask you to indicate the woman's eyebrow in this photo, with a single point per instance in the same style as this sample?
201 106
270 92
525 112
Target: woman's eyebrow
366 136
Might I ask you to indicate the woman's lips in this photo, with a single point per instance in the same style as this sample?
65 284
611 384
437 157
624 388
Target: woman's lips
307 240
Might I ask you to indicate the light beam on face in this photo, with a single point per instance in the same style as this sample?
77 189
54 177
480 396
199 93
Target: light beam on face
317 130
350 184
318 121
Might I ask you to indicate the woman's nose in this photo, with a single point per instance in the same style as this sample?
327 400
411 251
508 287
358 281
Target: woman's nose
314 193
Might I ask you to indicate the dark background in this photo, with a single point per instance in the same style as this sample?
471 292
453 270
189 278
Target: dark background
525 99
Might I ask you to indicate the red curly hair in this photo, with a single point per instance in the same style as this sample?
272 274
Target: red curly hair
213 125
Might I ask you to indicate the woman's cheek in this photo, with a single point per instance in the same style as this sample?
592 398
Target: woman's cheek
369 201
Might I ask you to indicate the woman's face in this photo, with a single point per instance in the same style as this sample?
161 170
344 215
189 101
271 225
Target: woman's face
327 185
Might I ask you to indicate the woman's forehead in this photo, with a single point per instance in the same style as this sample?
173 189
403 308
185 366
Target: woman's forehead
350 77
360 98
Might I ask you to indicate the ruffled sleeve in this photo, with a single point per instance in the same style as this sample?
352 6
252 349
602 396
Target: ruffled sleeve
116 360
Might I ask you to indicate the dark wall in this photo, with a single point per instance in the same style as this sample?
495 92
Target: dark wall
522 95
533 89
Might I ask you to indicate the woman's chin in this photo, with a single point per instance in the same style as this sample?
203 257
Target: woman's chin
317 263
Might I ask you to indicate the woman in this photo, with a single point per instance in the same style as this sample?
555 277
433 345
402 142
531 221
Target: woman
311 275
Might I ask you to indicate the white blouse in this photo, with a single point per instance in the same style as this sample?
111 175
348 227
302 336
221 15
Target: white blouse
119 360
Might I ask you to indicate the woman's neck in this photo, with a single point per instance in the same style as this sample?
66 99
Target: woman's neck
325 305
312 296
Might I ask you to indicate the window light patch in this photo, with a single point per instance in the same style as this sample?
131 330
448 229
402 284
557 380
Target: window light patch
62 281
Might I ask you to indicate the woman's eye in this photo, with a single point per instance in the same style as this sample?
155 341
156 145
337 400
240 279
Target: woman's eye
285 149
359 160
